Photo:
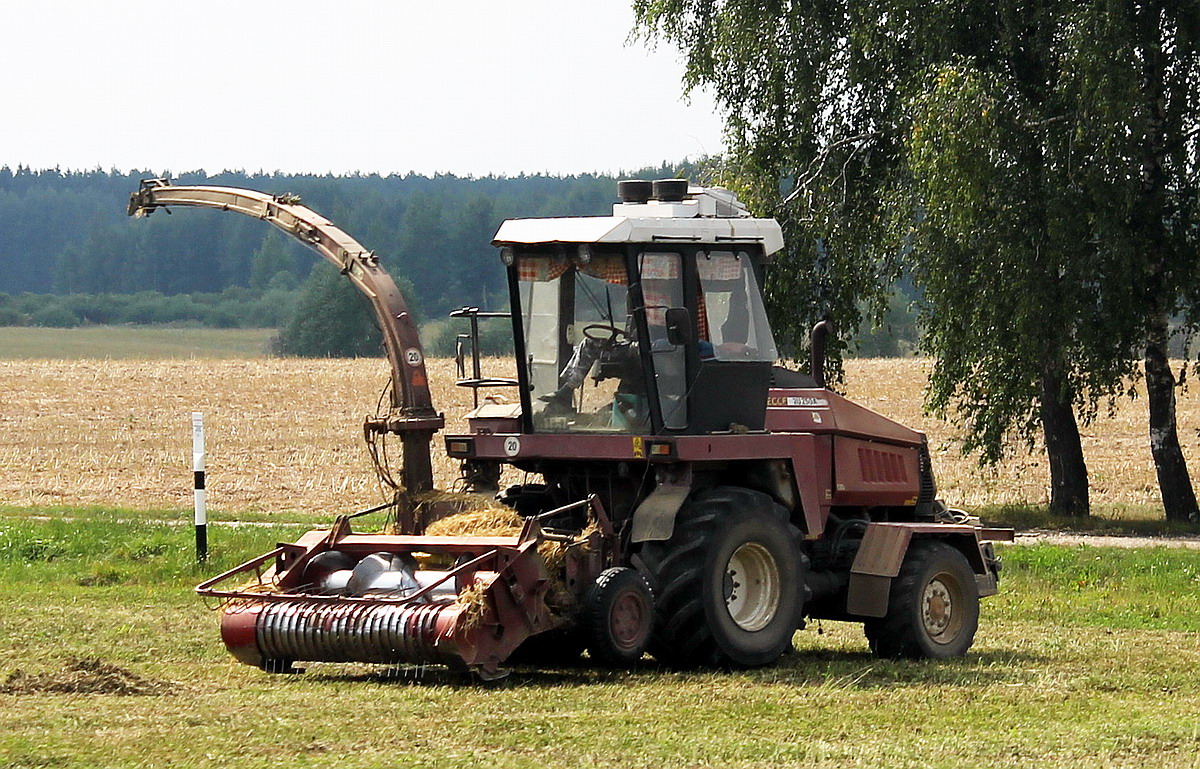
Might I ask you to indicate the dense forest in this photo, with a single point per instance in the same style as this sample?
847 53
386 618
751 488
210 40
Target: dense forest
69 255
67 233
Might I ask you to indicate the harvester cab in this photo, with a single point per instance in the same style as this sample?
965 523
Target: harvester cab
680 493
662 299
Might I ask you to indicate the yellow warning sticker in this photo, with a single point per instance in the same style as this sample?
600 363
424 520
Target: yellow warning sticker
639 448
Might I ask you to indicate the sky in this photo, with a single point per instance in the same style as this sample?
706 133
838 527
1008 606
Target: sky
470 88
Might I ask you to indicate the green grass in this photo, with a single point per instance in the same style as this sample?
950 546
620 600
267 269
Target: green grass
216 517
108 550
132 342
1086 658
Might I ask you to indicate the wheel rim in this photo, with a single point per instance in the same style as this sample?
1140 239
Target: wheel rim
752 585
941 608
627 622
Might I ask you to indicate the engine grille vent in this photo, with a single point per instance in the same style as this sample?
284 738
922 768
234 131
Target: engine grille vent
882 466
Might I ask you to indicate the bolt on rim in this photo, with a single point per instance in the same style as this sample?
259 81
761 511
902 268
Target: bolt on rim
939 604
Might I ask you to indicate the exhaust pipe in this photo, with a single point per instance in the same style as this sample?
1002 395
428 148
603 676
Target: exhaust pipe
816 351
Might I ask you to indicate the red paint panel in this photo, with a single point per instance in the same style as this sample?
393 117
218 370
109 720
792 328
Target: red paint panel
792 410
853 419
812 463
689 448
238 631
881 466
822 411
884 544
869 473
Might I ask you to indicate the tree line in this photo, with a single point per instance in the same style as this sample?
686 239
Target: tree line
69 255
235 307
1032 165
67 232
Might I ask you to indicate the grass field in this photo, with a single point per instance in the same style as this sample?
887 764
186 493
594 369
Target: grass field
124 342
1086 658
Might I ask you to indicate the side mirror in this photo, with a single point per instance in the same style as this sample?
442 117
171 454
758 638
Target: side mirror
460 348
679 326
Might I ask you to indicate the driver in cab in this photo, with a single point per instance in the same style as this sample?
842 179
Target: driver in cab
617 354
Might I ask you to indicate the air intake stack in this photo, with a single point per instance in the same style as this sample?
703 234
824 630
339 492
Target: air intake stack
675 199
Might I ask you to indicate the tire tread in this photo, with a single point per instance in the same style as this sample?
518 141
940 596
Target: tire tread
596 620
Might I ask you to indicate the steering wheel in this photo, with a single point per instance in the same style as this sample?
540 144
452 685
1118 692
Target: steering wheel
602 332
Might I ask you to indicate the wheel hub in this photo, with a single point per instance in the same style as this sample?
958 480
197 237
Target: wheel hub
752 587
937 612
628 620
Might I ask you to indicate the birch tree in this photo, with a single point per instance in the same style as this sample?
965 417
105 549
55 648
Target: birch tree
1033 163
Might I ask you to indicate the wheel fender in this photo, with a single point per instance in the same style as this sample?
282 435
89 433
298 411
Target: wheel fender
654 518
883 548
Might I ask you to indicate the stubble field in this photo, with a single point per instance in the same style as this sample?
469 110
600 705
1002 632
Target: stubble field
284 435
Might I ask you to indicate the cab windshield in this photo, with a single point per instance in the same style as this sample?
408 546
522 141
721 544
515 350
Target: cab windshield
582 357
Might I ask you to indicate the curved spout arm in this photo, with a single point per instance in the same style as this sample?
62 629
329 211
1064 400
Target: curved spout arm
417 420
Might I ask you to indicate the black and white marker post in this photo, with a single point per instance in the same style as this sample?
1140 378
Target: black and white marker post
198 474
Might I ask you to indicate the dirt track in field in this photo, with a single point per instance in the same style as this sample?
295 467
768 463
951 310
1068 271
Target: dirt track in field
1039 537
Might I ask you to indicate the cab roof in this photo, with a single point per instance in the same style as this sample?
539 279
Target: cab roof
623 229
711 216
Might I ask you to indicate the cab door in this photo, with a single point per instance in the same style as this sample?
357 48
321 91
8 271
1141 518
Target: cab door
662 284
735 347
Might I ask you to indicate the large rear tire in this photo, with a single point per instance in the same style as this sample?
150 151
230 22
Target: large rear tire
728 584
933 606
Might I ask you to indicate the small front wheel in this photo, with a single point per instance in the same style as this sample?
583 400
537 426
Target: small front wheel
617 615
933 607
